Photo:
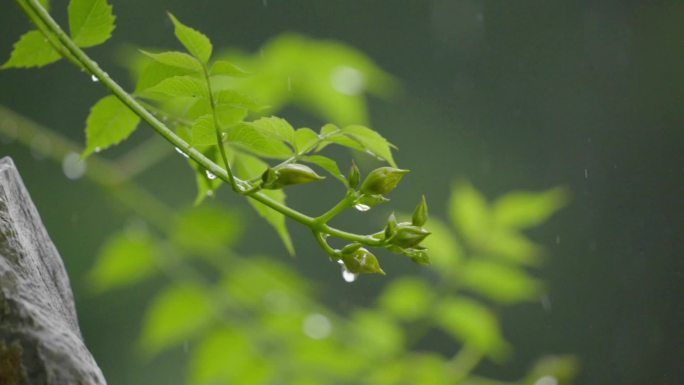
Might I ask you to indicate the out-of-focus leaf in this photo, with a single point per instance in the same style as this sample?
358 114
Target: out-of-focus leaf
468 211
248 167
276 127
511 246
207 229
408 299
126 258
226 356
31 50
109 122
470 322
194 41
416 368
91 22
445 252
499 282
175 315
376 335
560 370
527 209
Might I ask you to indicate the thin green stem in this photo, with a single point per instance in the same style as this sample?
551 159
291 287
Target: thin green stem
325 246
347 201
52 30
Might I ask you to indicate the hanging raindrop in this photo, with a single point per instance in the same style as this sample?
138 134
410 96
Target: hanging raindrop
94 78
178 150
347 275
210 175
361 207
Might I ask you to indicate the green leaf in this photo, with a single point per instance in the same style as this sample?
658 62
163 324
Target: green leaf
327 164
175 315
470 322
207 229
304 138
31 50
377 335
254 140
247 364
408 299
372 142
110 121
445 252
526 209
236 99
229 115
177 87
469 212
175 59
276 127
203 131
91 22
248 167
224 67
126 258
499 282
154 72
194 41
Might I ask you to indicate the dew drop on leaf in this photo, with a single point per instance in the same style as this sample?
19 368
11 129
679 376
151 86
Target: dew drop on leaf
210 175
361 207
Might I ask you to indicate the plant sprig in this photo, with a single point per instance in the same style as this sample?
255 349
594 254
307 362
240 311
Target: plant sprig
217 116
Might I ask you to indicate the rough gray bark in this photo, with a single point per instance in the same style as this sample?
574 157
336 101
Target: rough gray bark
40 341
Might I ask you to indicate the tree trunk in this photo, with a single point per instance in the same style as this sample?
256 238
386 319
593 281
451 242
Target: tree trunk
40 341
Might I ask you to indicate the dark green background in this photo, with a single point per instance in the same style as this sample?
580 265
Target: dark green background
508 94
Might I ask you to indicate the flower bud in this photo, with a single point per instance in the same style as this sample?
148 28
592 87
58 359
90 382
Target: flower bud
354 176
350 248
361 261
407 235
369 201
420 214
391 227
382 180
289 174
419 256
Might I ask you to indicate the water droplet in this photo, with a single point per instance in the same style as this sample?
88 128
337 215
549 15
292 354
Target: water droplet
73 166
558 239
210 175
347 275
317 326
183 154
586 173
98 149
361 207
348 81
265 3
178 150
210 193
94 78
545 302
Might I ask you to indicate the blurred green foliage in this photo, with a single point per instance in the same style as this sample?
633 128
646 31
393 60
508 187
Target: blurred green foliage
257 321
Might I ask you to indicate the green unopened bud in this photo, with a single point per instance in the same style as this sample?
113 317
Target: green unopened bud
420 214
382 180
351 248
290 174
407 235
362 261
419 256
391 227
354 176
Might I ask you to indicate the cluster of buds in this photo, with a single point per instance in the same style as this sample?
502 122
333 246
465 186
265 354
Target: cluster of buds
289 174
379 182
405 237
